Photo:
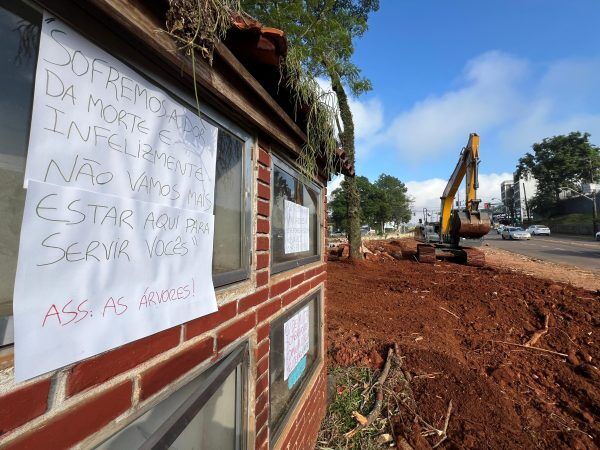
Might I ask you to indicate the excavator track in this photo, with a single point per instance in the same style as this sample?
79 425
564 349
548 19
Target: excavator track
474 257
426 253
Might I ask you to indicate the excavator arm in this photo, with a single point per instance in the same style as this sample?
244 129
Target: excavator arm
474 225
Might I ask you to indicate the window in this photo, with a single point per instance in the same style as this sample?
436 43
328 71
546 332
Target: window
289 334
231 247
20 28
206 413
287 191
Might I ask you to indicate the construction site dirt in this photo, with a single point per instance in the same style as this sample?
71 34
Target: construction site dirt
466 335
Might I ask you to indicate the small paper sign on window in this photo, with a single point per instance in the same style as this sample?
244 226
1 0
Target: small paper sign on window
296 228
295 340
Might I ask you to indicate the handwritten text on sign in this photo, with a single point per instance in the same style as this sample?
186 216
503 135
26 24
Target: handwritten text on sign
98 125
296 228
98 271
295 340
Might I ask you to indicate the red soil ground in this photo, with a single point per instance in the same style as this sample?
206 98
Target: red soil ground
446 319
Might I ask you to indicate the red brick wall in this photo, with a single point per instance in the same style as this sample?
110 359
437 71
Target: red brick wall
303 432
63 408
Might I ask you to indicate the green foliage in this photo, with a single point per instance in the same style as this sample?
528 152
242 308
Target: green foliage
350 395
558 162
321 32
320 35
386 200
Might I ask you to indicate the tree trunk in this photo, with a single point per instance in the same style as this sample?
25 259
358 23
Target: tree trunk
347 137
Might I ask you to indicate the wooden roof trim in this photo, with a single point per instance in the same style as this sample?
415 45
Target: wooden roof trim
235 64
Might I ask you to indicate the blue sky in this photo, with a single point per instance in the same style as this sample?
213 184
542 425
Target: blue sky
513 71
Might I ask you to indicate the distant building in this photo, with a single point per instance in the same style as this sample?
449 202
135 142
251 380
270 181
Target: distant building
524 189
506 192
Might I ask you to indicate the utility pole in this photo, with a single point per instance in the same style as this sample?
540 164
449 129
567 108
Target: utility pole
594 211
526 204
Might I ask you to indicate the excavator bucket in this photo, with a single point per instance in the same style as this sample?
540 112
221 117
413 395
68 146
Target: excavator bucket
470 225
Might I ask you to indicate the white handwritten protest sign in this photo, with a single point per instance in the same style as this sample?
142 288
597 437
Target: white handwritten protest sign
98 271
295 341
296 228
98 125
117 235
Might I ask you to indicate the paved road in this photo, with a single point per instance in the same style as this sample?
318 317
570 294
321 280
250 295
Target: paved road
574 250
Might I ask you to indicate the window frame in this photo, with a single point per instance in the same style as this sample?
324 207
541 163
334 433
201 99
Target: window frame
288 167
181 91
276 428
173 426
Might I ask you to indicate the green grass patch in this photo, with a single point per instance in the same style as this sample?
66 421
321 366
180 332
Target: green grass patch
351 392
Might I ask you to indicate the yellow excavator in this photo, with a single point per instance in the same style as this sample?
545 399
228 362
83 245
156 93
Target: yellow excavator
459 228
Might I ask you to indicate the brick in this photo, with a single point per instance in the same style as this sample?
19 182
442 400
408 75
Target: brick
292 296
268 309
160 375
262 278
244 304
262 226
262 367
261 418
261 385
264 175
97 370
296 280
263 191
318 280
234 331
262 243
280 288
79 421
262 349
262 260
261 402
263 332
262 436
210 321
264 158
22 405
309 274
263 208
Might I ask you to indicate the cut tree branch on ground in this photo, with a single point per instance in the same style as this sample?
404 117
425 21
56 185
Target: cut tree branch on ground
552 352
378 397
538 334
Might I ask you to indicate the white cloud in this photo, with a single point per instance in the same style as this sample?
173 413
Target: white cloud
440 123
500 96
426 193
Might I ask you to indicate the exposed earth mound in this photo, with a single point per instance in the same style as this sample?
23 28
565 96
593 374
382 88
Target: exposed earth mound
463 331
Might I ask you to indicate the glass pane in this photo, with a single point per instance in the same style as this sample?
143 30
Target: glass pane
287 187
19 28
213 427
227 251
283 392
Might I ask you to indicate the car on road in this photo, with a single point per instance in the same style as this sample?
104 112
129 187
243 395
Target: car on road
598 236
499 229
539 230
515 233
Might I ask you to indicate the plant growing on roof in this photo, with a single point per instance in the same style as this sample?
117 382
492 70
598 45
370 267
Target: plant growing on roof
320 34
198 25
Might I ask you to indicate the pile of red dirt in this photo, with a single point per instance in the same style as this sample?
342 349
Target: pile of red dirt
448 321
